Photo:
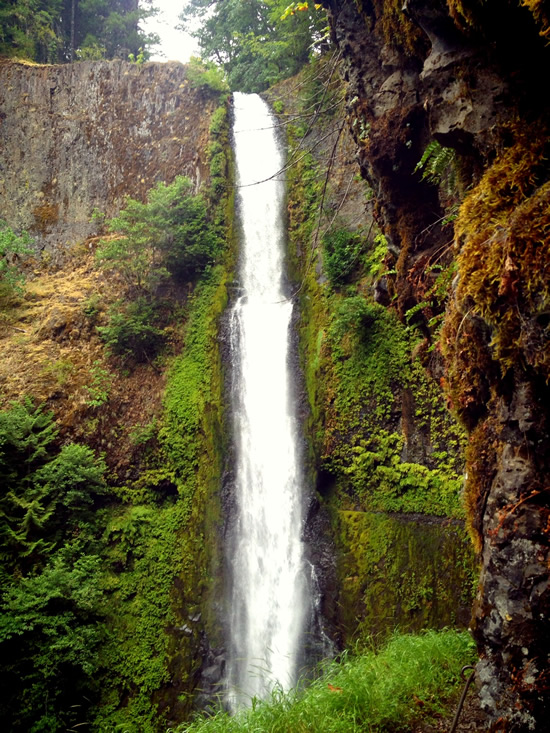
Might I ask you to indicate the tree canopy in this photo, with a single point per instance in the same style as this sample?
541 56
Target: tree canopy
256 42
57 31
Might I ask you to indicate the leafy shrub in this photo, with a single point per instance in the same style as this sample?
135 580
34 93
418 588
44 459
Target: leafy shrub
100 388
169 234
341 248
12 248
49 632
353 315
131 332
206 75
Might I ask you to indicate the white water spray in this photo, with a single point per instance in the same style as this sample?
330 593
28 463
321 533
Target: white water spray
269 587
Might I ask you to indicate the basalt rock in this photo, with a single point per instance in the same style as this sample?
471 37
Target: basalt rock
463 74
81 137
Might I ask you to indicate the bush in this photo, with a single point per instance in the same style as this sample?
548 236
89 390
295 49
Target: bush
206 75
341 249
131 332
169 234
12 248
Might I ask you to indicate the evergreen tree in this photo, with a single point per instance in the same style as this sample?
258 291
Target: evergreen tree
57 31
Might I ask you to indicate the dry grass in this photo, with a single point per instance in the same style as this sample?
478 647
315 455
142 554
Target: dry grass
48 347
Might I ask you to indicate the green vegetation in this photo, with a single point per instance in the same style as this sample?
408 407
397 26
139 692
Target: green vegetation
255 43
438 165
51 624
170 234
398 572
341 250
100 387
169 238
57 31
13 248
132 333
381 437
371 691
206 75
103 586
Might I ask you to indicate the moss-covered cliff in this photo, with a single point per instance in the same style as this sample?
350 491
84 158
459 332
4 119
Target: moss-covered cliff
126 647
447 114
385 454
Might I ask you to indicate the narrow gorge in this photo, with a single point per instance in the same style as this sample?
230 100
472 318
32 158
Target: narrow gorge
270 595
274 372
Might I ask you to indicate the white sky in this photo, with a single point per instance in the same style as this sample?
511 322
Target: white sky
175 45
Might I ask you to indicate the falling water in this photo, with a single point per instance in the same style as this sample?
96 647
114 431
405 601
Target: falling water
269 595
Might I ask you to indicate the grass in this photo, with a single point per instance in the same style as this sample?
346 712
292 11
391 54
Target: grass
369 692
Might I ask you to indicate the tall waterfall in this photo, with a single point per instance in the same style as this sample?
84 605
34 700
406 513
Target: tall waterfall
269 596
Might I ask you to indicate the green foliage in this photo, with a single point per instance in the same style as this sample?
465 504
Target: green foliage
158 534
50 626
206 75
13 247
50 630
26 432
130 334
139 59
371 691
439 165
375 256
189 390
381 481
147 547
341 249
100 388
251 40
169 234
53 31
353 316
43 496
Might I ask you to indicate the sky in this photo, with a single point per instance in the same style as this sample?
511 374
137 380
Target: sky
176 45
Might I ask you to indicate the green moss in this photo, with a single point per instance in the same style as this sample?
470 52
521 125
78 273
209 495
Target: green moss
401 573
161 539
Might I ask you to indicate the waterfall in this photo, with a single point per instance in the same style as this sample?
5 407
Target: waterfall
269 597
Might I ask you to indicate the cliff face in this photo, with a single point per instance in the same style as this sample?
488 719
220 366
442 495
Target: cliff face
461 78
76 138
80 137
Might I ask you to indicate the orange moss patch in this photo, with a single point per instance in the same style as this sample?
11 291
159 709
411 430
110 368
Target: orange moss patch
481 459
49 349
45 217
504 264
498 324
541 14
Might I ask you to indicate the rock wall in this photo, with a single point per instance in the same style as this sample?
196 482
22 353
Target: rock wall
80 137
464 75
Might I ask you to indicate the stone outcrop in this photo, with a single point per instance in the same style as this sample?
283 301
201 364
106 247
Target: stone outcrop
81 137
464 74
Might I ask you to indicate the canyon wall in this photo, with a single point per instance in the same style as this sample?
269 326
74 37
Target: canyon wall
453 86
80 137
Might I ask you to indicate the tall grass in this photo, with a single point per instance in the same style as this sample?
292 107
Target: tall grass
371 692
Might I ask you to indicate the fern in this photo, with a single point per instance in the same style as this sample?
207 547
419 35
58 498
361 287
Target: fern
438 165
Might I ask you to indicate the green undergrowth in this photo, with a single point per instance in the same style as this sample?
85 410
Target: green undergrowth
159 534
378 424
367 691
385 452
161 537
